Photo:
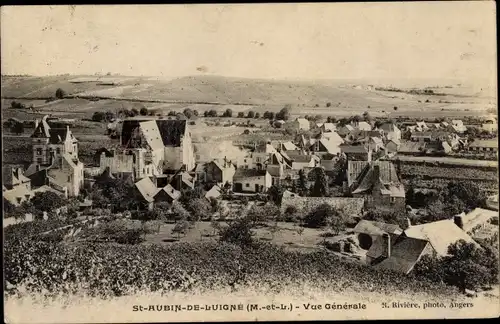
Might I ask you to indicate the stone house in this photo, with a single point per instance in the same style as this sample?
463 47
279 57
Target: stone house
251 180
301 124
391 131
220 172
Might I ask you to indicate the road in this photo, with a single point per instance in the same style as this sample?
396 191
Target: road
447 160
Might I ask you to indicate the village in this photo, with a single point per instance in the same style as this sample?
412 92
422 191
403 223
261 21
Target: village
332 184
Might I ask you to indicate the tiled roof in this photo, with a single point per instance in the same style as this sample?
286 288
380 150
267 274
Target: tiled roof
147 189
376 228
170 191
440 234
171 131
152 134
405 253
214 192
476 217
353 149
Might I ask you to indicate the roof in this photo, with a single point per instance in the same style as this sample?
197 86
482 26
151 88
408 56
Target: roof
18 192
353 206
376 228
58 135
353 149
405 253
289 194
171 131
358 169
363 126
377 140
152 134
331 146
42 130
303 122
329 126
147 188
289 146
439 234
476 217
214 192
484 143
302 158
170 191
389 127
12 176
248 173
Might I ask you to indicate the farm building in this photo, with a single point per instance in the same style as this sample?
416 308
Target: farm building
301 124
375 181
251 180
480 145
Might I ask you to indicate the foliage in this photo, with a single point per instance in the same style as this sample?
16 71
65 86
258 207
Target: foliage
60 93
269 115
181 228
320 187
211 113
318 217
241 114
179 213
17 128
98 116
468 193
17 105
275 192
229 113
466 266
239 232
199 208
387 215
257 115
251 114
260 214
47 201
284 113
143 111
302 184
188 112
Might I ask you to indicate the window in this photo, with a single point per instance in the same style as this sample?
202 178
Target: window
393 200
247 185
245 160
69 178
39 160
39 151
58 150
257 159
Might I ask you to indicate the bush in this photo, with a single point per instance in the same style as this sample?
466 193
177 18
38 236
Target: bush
143 111
98 116
239 232
60 93
318 217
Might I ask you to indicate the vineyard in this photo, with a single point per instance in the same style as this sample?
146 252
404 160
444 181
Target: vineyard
109 270
442 172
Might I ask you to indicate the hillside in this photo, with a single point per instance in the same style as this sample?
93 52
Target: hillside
178 93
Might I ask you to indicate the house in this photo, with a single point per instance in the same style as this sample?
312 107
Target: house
66 174
13 177
392 146
352 207
147 190
50 142
345 130
251 180
182 181
391 131
301 124
220 171
17 195
490 125
328 127
363 126
200 172
483 146
152 146
277 166
475 220
411 148
329 161
257 158
377 182
356 152
214 192
389 248
375 144
167 194
421 126
458 126
299 160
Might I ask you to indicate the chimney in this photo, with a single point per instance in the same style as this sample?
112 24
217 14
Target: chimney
458 221
387 245
408 222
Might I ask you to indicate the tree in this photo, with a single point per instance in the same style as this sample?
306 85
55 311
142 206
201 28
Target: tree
328 104
466 191
47 201
188 112
239 232
302 185
275 192
179 212
257 115
196 113
251 114
181 228
320 187
241 114
60 94
337 221
367 117
330 119
284 113
143 111
199 208
318 217
98 116
466 266
134 112
228 113
212 113
396 108
17 128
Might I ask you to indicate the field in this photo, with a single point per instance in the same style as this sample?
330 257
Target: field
220 93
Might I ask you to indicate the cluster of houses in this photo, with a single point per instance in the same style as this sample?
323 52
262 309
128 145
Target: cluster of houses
158 156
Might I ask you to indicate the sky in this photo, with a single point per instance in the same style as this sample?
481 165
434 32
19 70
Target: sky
425 40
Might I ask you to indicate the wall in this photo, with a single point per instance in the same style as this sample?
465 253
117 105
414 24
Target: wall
213 174
188 156
252 181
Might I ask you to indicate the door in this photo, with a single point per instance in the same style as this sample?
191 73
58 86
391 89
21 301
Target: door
257 188
238 187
